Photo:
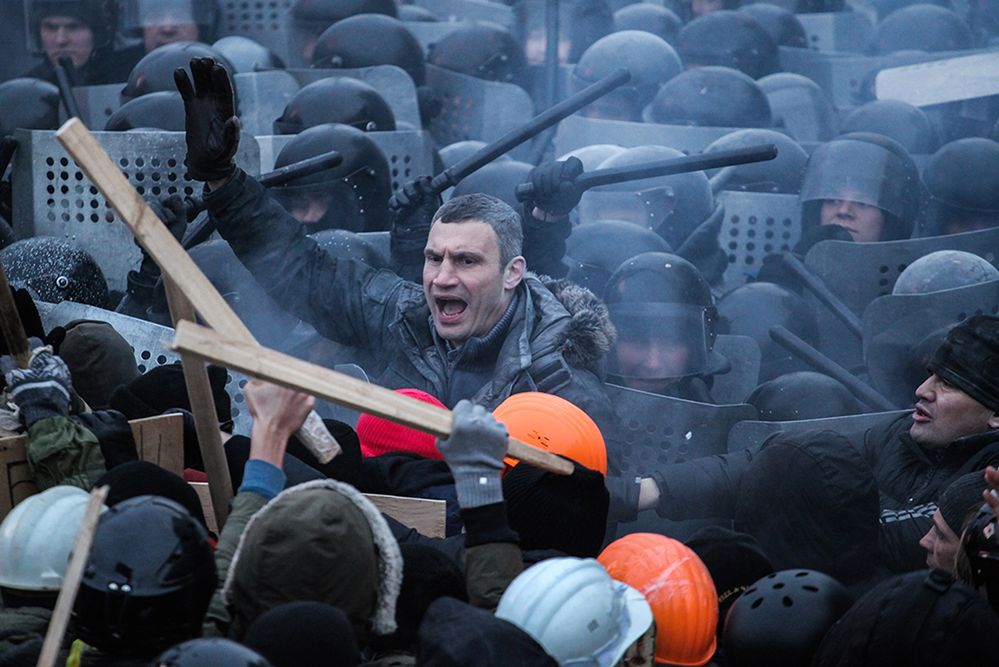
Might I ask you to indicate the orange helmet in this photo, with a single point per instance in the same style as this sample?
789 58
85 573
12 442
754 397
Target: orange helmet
679 589
554 424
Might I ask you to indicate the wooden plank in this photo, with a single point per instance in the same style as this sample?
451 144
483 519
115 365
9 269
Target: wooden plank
160 440
205 496
71 582
16 483
173 260
428 517
338 388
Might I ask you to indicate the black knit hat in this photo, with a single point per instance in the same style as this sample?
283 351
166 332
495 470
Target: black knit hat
427 574
563 512
969 359
304 634
141 478
99 360
735 560
163 388
962 496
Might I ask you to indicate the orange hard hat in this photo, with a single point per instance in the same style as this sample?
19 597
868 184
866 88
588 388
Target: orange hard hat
554 424
679 589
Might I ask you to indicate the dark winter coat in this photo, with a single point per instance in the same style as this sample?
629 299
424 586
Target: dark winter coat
909 478
555 342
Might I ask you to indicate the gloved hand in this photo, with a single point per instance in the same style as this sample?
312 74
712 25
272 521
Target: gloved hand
42 389
212 125
475 452
555 190
413 210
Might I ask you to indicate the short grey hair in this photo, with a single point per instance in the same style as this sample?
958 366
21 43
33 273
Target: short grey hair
494 212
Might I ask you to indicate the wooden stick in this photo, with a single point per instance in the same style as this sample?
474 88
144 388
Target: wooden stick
71 582
10 324
206 420
173 260
338 388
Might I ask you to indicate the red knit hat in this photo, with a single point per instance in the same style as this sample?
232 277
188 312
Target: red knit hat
379 436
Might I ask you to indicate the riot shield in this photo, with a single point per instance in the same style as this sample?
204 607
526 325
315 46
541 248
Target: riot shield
656 431
470 10
264 22
576 131
756 225
428 33
858 273
477 109
744 354
262 98
837 32
52 197
409 154
97 103
841 75
901 330
149 344
751 434
391 82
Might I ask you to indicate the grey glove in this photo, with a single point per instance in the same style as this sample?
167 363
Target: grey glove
42 389
475 452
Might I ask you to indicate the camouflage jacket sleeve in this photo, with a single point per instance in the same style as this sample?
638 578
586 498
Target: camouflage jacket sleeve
61 451
346 301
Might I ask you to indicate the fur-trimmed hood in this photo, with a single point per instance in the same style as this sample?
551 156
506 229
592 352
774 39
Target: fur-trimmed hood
318 541
590 333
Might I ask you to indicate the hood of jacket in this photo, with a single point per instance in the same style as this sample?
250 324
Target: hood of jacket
319 541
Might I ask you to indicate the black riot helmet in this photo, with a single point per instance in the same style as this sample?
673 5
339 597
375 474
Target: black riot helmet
356 191
343 100
594 250
980 542
672 206
782 175
944 269
649 17
483 50
593 155
783 26
712 97
867 168
665 318
148 579
97 14
781 619
324 13
754 308
459 150
800 106
55 270
342 244
366 40
498 179
213 652
906 124
29 104
155 111
247 55
154 73
962 181
728 39
922 26
134 16
417 14
651 61
581 23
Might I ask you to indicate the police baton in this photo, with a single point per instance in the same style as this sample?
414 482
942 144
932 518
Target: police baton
64 71
535 126
679 165
200 232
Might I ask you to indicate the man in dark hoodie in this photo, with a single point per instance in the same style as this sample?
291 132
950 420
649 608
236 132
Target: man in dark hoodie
952 432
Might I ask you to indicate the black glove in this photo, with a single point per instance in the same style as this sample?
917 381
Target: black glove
212 125
413 210
555 189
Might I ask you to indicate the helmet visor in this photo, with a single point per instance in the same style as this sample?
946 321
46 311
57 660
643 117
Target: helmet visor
134 15
649 208
658 341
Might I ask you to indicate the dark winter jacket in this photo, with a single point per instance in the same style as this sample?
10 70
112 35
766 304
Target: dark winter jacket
909 479
555 342
104 67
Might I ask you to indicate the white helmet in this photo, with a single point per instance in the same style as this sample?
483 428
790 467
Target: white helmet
37 537
578 614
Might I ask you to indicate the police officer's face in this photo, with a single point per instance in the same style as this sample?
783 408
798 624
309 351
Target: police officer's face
864 222
310 208
651 363
168 32
702 7
941 545
944 413
66 36
466 288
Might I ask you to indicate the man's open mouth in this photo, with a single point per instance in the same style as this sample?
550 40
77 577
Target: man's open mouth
921 414
450 308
